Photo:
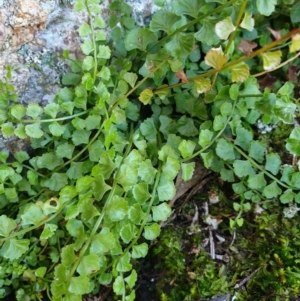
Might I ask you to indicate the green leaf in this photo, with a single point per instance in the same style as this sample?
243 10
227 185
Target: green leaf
128 232
34 110
75 171
65 150
287 197
295 45
187 7
181 46
81 137
32 215
83 184
151 232
119 286
127 176
243 168
106 165
84 30
139 251
163 20
131 78
215 58
87 47
295 180
52 109
170 168
117 209
227 175
161 212
7 129
48 231
131 279
205 137
257 181
202 85
272 190
187 170
141 193
186 148
57 181
207 158
146 171
18 111
88 264
6 225
79 285
224 28
88 63
240 72
56 129
104 52
273 163
20 131
146 96
5 172
243 138
68 256
187 127
136 214
100 187
257 151
225 150
124 264
40 272
166 192
103 242
14 248
295 12
69 79
248 22
139 38
11 194
271 59
79 5
266 7
34 130
225 109
99 22
284 109
207 34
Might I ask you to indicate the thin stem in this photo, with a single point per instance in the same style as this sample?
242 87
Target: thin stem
183 28
237 23
138 84
53 119
215 138
233 63
260 168
103 212
279 66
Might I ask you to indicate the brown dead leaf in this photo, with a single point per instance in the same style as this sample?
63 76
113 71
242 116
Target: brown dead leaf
275 33
267 82
292 72
181 75
247 46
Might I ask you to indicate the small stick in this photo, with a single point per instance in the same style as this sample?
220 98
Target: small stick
233 237
211 244
246 279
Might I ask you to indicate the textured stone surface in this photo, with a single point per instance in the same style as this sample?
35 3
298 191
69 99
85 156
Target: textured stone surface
33 33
